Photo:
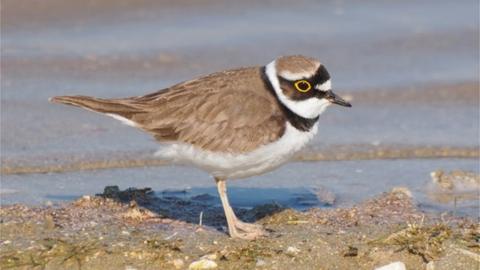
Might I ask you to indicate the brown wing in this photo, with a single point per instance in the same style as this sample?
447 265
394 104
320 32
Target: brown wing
227 112
230 111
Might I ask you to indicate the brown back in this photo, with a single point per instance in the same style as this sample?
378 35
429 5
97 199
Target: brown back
230 111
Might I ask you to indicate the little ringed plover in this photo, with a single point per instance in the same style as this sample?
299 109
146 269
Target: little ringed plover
232 124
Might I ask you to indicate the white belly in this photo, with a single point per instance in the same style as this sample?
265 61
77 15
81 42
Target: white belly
231 166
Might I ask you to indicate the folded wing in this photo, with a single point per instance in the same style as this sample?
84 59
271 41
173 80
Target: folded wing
215 116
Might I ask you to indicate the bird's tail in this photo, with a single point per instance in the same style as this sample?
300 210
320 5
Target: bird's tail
111 107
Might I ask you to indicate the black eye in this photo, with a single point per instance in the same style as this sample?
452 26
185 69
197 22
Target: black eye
303 86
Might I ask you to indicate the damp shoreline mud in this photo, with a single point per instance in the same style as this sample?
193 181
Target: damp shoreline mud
332 153
135 229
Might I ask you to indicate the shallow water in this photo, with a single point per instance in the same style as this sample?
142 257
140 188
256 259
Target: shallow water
115 49
292 185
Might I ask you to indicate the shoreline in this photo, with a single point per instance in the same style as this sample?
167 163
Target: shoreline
133 228
333 153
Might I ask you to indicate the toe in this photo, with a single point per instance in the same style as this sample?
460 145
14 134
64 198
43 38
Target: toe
248 226
247 235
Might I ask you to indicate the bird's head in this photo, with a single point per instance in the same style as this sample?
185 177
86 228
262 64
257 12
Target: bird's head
303 85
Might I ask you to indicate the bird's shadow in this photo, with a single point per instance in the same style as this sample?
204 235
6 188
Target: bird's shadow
202 205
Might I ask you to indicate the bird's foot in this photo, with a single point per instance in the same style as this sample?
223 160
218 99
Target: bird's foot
247 231
244 226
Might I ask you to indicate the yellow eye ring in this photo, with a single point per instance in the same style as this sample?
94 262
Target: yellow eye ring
303 86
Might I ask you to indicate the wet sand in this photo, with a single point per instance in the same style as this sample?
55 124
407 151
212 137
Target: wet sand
335 153
138 230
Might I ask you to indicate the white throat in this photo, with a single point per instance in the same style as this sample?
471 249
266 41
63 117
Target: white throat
309 108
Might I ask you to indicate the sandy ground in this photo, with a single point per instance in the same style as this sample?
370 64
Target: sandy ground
133 229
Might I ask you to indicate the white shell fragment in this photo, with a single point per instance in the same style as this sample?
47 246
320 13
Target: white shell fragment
393 266
202 264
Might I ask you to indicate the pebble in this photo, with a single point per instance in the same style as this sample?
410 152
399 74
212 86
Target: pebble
260 263
456 180
178 263
292 251
393 266
202 264
402 190
351 252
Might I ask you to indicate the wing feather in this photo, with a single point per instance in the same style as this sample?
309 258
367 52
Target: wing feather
213 113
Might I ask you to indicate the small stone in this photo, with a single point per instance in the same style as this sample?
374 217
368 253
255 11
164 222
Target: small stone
136 213
393 266
351 252
456 180
125 233
110 191
178 263
86 197
260 263
202 264
292 251
402 190
430 266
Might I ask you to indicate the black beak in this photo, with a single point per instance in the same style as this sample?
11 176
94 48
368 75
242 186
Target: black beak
330 96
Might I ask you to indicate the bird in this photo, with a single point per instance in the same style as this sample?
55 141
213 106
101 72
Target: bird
232 124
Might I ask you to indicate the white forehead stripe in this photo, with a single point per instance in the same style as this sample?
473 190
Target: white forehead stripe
309 108
294 76
325 86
